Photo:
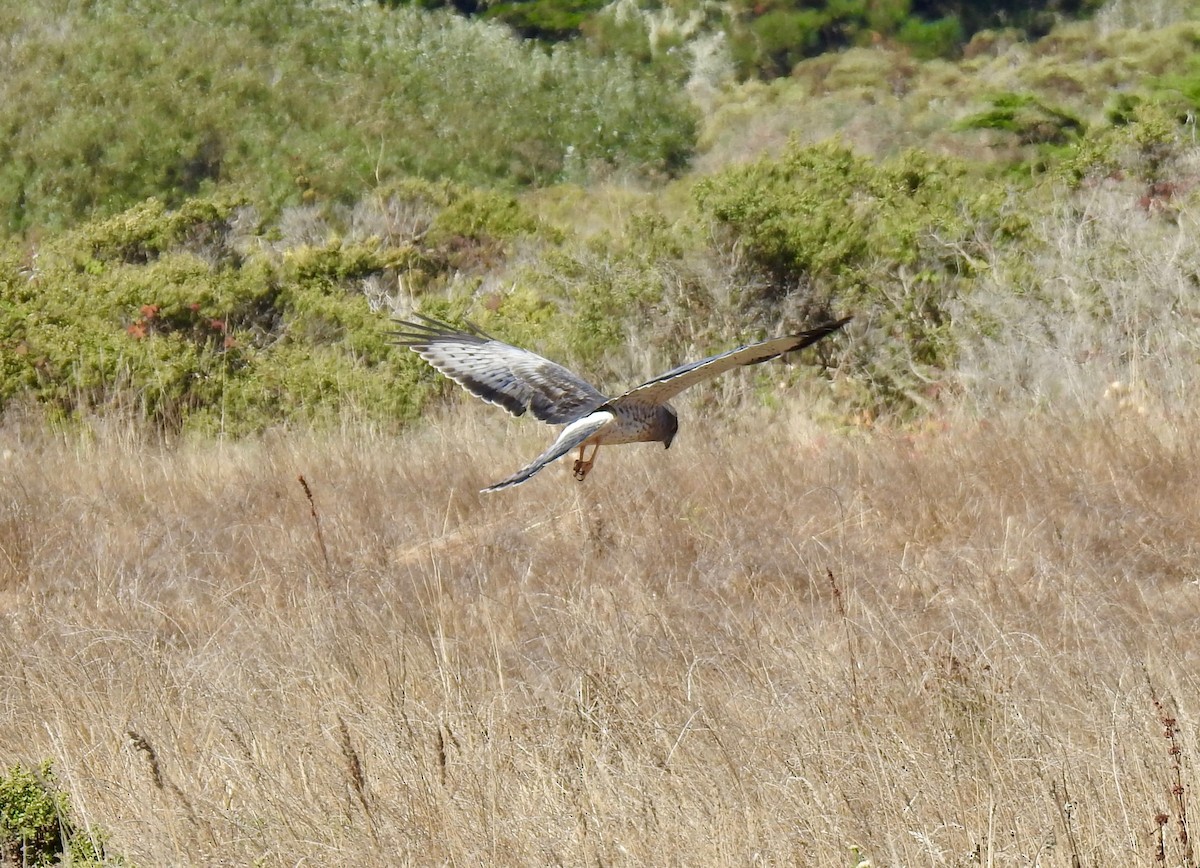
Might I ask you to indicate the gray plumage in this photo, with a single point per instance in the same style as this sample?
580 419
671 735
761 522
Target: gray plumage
521 381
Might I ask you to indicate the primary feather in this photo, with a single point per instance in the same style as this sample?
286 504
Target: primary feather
666 386
515 379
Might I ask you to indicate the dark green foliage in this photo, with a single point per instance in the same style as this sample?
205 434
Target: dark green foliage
545 19
1034 17
770 37
928 39
36 826
772 43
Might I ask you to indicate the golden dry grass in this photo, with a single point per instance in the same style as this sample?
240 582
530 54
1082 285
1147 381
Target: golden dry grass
951 646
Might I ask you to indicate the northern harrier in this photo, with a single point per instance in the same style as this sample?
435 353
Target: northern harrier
519 380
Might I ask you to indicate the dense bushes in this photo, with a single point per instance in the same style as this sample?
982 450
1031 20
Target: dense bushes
225 312
199 319
768 37
205 319
292 101
826 232
771 37
176 318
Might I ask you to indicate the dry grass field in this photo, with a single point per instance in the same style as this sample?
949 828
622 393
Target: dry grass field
959 645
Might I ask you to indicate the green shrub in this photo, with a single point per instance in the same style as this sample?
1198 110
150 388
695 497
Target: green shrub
475 228
823 214
126 314
545 19
769 37
774 42
598 302
1030 119
825 232
929 39
188 321
36 825
147 230
1147 142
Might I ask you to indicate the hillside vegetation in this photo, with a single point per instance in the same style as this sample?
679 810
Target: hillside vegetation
927 596
108 104
363 161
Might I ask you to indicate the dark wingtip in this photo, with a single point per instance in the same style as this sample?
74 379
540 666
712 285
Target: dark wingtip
422 330
482 390
833 325
807 338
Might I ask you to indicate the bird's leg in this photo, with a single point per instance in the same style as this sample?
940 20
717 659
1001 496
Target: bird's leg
582 467
586 466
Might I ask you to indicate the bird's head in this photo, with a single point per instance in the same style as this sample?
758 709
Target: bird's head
668 425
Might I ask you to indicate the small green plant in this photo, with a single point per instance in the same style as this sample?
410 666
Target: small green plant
36 826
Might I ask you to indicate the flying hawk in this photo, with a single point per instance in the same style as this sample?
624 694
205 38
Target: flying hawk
519 380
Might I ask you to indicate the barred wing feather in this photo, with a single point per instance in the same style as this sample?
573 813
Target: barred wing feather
666 386
501 374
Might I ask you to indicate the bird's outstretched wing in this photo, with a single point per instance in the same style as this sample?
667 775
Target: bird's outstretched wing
508 376
666 386
571 436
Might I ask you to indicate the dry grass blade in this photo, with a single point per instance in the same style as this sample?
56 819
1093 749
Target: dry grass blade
316 519
930 647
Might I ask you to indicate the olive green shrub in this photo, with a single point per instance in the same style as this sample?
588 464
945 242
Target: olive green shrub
1031 120
825 232
37 826
168 316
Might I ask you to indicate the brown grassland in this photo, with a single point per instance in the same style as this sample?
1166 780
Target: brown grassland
972 643
964 635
